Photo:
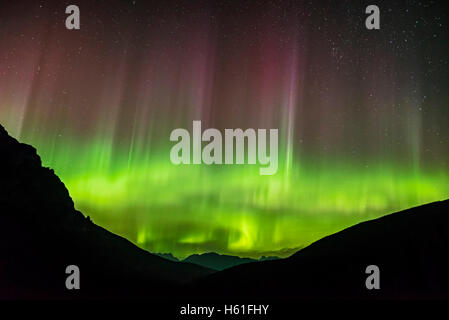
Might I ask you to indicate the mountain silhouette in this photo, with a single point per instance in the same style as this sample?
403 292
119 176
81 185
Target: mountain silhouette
41 234
216 261
167 256
410 248
220 262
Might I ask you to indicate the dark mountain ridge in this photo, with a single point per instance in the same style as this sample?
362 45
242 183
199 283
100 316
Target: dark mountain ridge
41 233
411 249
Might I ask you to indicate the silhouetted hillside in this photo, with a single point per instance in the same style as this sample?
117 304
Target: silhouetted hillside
41 234
411 248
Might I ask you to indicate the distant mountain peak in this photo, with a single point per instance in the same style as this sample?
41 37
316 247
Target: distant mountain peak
220 262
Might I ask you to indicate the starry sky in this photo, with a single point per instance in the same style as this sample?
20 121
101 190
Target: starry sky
362 114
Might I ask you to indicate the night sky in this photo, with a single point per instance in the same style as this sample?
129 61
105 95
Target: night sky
363 115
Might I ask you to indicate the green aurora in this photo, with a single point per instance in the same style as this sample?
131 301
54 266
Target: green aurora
362 114
189 209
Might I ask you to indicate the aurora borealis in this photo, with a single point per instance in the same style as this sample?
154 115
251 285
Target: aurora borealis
362 114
